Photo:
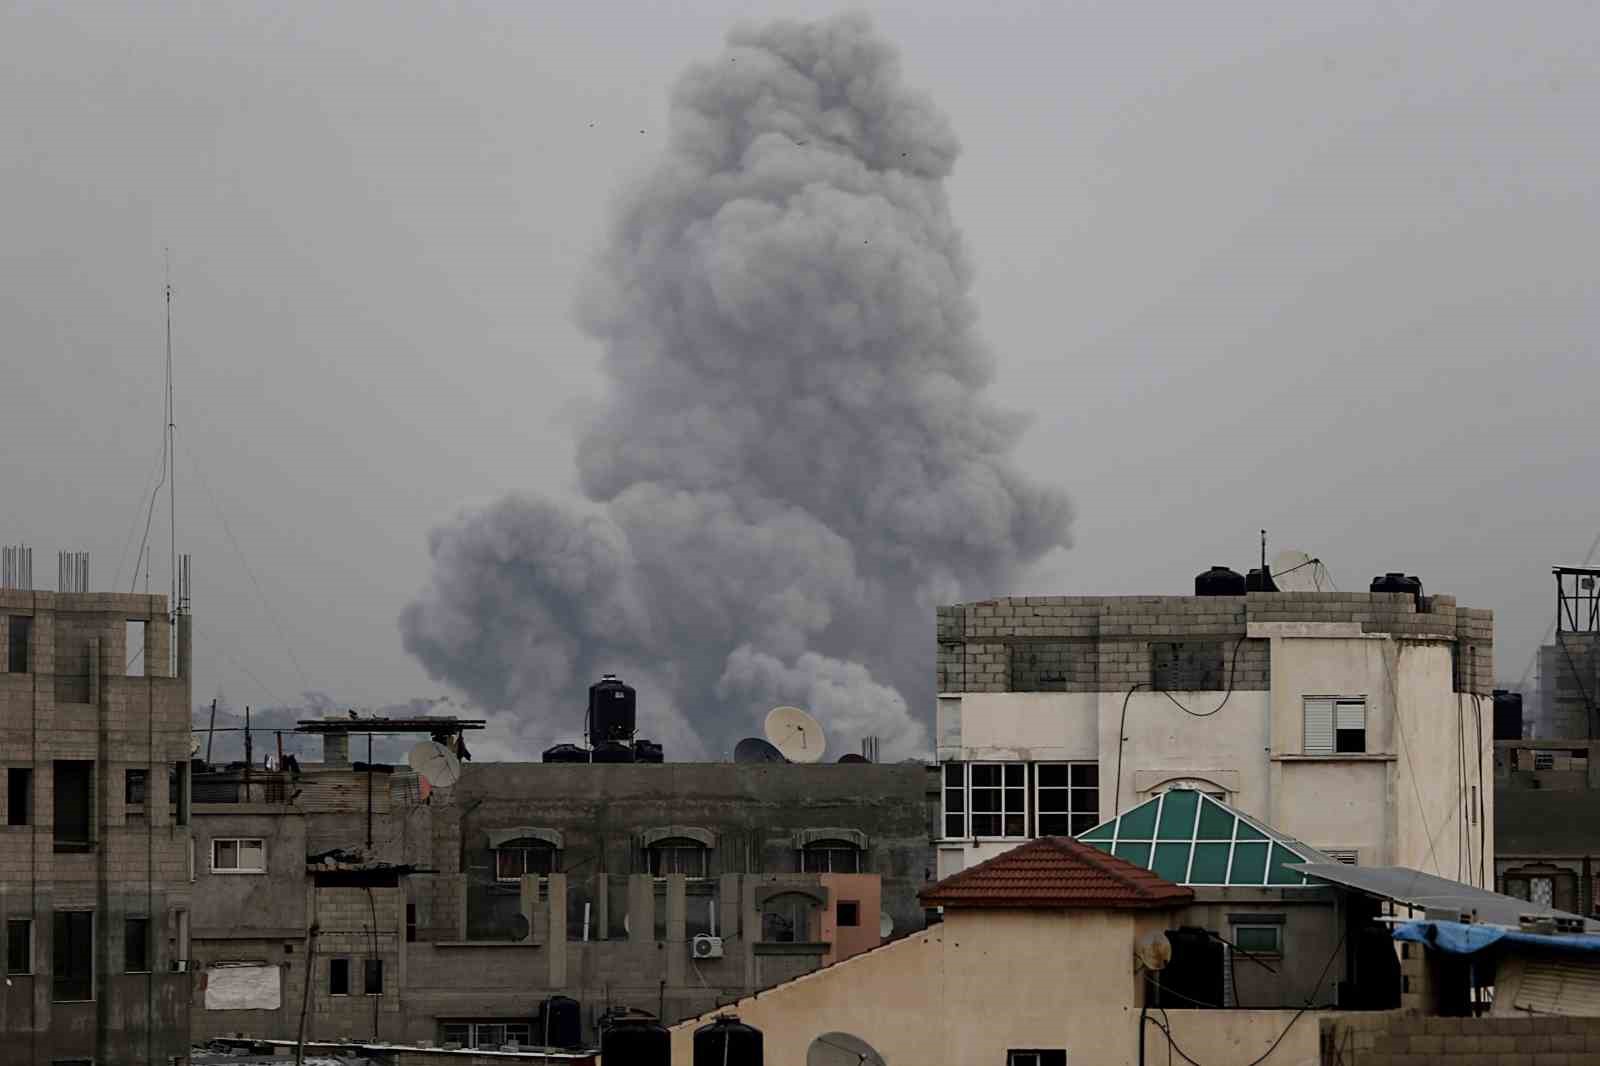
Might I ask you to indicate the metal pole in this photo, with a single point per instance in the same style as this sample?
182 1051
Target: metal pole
305 996
369 797
211 731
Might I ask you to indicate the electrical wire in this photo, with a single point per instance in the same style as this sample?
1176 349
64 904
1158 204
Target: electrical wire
1227 695
1122 738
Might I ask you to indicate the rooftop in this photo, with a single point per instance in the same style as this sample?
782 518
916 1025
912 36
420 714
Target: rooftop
1056 873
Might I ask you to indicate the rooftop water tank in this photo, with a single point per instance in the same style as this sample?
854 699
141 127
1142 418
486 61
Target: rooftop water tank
648 751
639 1042
566 753
727 1041
1219 581
560 1023
1393 582
611 710
612 751
1260 580
1507 715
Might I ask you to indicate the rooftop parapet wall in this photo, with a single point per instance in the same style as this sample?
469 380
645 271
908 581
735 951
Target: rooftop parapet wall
1103 643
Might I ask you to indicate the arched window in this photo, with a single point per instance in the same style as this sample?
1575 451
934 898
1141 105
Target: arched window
790 918
525 855
830 857
678 855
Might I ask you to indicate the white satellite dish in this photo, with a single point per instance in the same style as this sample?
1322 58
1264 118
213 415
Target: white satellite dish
1154 952
435 762
885 925
796 735
1295 571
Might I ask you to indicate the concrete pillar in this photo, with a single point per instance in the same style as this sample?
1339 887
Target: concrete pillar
641 907
336 749
677 930
556 945
600 919
728 906
528 891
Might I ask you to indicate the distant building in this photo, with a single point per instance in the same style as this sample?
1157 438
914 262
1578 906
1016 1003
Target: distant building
666 888
95 845
1357 722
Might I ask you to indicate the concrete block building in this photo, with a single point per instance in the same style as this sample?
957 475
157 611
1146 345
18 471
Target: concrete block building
472 904
1357 722
95 845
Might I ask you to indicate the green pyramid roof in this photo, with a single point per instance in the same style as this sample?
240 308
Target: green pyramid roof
1191 839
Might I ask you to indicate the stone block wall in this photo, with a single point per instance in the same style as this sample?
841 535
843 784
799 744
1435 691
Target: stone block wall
1103 643
1395 1039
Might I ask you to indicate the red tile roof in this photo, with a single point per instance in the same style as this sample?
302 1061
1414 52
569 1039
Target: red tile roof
1052 873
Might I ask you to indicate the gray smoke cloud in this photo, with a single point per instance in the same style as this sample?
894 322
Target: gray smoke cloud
796 462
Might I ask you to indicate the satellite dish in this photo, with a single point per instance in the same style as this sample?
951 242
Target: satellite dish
756 750
435 762
885 924
795 734
1154 953
1295 571
194 747
627 927
842 1049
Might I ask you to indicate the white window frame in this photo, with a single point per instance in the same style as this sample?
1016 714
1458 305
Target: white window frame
555 861
1276 951
1072 811
238 844
829 846
653 857
1321 738
945 813
1006 790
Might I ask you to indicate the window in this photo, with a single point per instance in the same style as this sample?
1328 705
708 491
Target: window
411 923
338 977
1258 939
74 782
178 792
849 913
134 787
17 646
136 945
676 855
1348 856
1068 800
372 977
1335 726
999 795
955 799
242 855
830 857
1542 891
524 857
787 919
486 1036
1056 1057
72 956
19 795
19 945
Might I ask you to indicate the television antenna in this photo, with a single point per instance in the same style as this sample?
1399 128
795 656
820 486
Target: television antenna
797 736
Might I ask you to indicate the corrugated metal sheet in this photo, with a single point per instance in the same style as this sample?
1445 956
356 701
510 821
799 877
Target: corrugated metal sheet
1559 986
1425 891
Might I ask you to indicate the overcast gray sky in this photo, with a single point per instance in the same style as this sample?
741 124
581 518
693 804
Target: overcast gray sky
1326 269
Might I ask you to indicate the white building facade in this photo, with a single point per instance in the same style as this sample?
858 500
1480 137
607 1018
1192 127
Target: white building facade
1360 723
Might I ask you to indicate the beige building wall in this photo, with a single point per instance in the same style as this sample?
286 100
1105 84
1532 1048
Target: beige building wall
985 982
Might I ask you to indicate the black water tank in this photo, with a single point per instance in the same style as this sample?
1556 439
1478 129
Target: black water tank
1260 580
611 710
636 1042
1507 715
728 1042
566 753
1411 586
648 751
560 1023
612 751
1219 581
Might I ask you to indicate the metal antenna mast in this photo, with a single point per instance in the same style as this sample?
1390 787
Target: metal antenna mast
172 443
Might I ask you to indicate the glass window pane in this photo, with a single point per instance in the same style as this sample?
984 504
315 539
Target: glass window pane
1172 862
1100 832
1210 865
227 854
1082 822
985 825
1139 823
1103 845
1053 775
250 855
1053 800
1086 801
1177 814
1086 774
1261 939
1138 854
986 776
1057 825
1015 774
953 777
954 825
1282 875
1247 831
1017 799
1249 864
1015 825
1215 823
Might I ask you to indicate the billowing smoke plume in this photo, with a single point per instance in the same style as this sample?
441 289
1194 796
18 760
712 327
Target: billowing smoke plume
796 463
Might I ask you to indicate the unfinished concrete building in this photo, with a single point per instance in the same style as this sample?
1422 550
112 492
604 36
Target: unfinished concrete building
664 887
95 847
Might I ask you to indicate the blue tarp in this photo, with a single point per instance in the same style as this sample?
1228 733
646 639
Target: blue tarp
1458 938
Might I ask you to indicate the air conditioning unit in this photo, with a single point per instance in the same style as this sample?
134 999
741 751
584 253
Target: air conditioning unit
180 965
705 946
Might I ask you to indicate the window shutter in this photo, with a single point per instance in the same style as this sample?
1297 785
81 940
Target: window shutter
1558 987
1319 727
1350 714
